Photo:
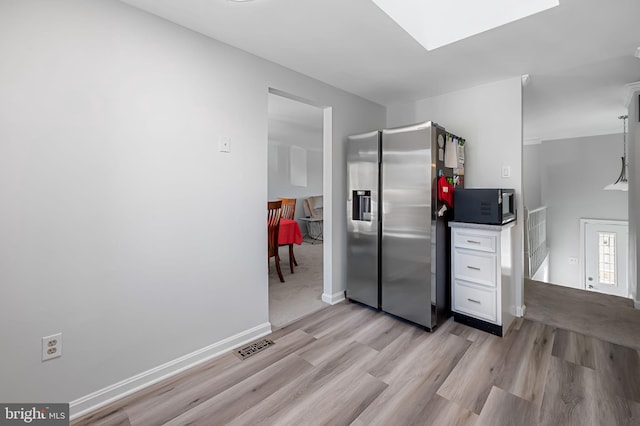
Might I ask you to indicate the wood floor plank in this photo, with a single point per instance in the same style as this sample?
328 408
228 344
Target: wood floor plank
439 411
185 396
524 371
337 310
571 382
617 370
339 402
111 418
348 362
566 398
505 409
227 405
175 384
347 327
396 352
572 397
470 382
349 312
324 349
618 411
381 331
416 381
469 333
408 349
574 347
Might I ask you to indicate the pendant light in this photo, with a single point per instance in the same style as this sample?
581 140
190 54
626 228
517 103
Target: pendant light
622 184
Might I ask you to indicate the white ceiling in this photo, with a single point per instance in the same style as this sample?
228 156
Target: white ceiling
579 55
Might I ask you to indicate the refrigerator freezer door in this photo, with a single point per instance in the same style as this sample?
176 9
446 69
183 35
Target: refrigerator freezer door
363 220
406 271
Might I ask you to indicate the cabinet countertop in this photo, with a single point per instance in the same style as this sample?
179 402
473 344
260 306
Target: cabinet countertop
453 224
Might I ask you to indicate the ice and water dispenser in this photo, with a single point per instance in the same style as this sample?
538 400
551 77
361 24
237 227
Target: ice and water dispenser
361 205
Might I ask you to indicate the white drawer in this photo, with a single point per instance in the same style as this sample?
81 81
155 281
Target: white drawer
478 302
473 240
475 267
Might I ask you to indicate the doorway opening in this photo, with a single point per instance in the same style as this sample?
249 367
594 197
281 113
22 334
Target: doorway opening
563 182
296 164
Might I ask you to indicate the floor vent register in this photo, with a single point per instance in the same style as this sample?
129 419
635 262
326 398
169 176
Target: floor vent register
253 348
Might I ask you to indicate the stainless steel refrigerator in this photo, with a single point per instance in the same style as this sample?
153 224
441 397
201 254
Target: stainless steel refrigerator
398 256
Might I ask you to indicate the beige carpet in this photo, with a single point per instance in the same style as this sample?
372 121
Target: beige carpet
301 293
609 318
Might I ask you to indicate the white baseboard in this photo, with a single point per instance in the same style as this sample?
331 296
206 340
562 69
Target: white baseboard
102 397
636 303
521 310
334 298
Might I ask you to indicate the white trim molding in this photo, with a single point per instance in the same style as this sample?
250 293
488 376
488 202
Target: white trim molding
105 396
334 298
636 303
631 89
521 310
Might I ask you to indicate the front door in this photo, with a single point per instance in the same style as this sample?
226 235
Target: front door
606 256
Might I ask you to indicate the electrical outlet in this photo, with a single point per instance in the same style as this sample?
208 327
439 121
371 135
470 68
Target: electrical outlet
224 144
573 261
51 346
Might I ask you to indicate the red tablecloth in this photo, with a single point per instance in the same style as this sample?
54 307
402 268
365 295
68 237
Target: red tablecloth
289 232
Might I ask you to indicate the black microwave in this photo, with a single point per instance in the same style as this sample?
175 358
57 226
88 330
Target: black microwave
482 205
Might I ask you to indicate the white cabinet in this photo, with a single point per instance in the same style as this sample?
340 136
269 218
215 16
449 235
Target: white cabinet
482 293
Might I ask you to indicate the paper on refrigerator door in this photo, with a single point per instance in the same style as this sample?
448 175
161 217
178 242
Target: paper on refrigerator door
451 152
460 154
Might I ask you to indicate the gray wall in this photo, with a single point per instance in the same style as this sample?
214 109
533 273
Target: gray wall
574 173
121 225
283 135
531 176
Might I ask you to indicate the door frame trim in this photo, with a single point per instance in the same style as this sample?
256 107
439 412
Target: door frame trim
328 295
582 263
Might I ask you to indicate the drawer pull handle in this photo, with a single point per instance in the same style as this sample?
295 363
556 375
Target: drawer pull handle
473 242
473 267
474 301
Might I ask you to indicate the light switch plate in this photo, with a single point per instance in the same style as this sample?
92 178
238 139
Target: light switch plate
224 144
506 171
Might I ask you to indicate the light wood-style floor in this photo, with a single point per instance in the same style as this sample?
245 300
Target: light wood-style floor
609 318
348 364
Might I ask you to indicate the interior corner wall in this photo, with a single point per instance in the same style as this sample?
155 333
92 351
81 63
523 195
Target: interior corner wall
531 176
633 153
574 173
489 117
121 225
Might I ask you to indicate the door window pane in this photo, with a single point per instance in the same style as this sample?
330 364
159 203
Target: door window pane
607 258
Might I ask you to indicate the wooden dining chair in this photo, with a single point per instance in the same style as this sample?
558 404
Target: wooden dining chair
288 207
289 212
274 210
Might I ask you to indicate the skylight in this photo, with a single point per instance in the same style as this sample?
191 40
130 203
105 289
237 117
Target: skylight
436 23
